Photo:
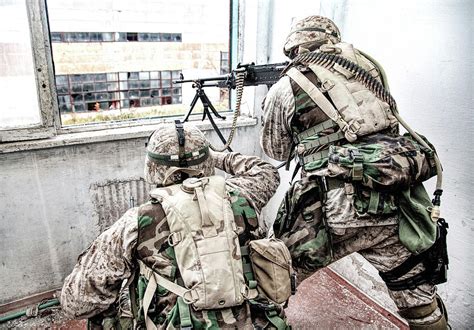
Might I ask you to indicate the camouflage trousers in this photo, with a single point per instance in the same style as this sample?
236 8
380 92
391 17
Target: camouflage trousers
381 247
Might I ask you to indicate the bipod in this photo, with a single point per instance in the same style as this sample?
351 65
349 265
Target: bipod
206 103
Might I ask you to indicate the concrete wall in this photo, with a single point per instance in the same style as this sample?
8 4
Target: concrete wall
426 49
49 208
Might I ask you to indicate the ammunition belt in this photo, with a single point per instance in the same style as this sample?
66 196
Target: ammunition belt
360 74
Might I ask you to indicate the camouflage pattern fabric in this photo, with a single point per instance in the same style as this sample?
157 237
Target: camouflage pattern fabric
300 33
95 282
349 224
153 247
300 224
164 141
382 163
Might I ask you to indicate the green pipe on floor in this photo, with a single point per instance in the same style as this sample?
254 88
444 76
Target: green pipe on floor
49 303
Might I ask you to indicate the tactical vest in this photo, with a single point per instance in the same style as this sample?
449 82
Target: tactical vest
345 129
332 106
341 107
210 270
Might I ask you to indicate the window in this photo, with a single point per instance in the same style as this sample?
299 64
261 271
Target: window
225 63
70 37
115 90
104 76
132 36
25 79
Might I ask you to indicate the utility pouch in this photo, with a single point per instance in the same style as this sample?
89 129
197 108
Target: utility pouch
381 162
368 201
435 260
271 264
301 224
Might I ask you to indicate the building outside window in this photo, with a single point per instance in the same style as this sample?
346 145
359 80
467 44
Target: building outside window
117 60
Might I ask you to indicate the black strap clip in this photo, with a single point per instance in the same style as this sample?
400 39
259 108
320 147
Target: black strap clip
180 131
181 141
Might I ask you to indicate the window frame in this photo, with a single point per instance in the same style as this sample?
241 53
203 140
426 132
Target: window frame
44 78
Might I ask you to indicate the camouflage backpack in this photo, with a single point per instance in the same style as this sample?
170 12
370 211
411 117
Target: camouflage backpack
210 270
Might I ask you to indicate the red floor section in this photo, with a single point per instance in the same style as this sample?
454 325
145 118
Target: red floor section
327 301
323 301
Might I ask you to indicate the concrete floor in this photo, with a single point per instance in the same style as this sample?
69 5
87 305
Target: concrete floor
323 301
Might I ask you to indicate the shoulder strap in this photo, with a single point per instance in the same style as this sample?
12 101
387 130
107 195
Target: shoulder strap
315 94
154 279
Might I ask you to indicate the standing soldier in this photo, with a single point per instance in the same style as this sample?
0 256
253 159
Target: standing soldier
361 187
184 258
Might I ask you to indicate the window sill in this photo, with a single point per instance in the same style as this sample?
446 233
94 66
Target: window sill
112 134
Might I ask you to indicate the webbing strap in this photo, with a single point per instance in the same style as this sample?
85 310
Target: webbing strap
315 94
173 287
419 312
184 314
277 321
181 141
155 279
247 269
357 165
312 131
326 139
149 293
316 156
373 202
207 226
191 158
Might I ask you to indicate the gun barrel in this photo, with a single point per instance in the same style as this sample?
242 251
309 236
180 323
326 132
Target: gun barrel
201 80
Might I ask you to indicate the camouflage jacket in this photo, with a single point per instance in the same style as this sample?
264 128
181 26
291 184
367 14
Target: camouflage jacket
95 282
279 110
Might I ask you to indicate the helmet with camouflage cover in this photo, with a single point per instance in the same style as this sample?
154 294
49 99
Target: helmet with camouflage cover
178 145
311 32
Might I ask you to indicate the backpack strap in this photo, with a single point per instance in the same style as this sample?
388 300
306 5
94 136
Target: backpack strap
154 279
248 272
184 314
276 321
318 97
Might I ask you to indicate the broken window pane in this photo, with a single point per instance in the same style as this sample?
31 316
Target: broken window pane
155 37
143 36
132 75
94 36
132 36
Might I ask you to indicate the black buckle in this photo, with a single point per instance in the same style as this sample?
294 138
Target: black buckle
293 283
180 130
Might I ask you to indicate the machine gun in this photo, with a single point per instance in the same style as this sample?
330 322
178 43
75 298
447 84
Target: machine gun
263 74
244 75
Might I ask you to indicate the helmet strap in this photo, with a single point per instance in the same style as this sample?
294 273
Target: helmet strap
181 141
